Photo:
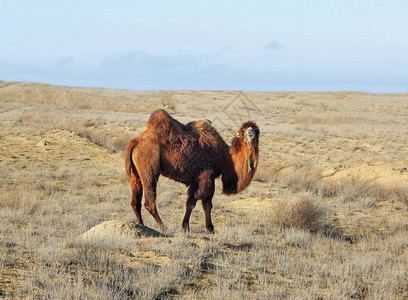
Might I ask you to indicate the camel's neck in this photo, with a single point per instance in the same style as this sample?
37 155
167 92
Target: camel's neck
245 161
245 164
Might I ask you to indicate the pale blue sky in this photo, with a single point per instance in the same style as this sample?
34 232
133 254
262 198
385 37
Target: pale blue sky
213 45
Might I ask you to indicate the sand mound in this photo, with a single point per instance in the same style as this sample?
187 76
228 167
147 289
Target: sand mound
119 229
383 174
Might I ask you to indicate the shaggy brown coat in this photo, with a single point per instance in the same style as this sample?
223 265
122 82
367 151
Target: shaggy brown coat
193 154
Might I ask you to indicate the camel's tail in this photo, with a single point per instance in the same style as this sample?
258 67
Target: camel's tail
129 164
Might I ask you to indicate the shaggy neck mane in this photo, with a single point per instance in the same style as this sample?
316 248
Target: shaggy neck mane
243 159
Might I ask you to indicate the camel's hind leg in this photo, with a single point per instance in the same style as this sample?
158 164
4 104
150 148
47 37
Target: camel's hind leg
148 168
150 201
137 193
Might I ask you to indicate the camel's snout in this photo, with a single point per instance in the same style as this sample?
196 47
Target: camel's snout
251 135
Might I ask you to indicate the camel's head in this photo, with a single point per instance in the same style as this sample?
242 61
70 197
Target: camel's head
248 133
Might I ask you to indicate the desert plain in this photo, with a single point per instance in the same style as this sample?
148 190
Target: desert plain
326 216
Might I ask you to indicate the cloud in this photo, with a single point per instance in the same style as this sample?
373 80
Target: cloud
139 70
136 70
64 61
274 45
139 61
143 70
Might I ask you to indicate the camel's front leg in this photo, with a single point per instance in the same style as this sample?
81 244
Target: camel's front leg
201 189
190 204
207 206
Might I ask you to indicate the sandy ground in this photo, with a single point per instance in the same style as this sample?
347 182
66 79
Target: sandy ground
45 133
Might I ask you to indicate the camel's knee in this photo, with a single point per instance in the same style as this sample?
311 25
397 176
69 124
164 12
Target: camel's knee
148 206
207 205
151 207
190 205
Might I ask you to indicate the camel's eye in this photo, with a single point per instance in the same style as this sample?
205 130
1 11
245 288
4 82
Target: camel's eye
242 131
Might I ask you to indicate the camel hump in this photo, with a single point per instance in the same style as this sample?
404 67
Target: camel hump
159 119
200 125
208 135
203 125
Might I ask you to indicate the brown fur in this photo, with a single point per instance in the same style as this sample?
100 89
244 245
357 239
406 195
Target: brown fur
194 154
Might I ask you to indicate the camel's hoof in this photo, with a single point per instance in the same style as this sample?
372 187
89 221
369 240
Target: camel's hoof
210 230
162 227
185 227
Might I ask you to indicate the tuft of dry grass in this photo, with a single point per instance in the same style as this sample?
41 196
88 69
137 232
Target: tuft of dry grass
22 202
304 213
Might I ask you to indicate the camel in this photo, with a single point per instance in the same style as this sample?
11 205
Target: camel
193 154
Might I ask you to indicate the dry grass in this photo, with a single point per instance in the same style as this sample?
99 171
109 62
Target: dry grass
115 145
310 178
91 130
302 230
304 213
83 98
